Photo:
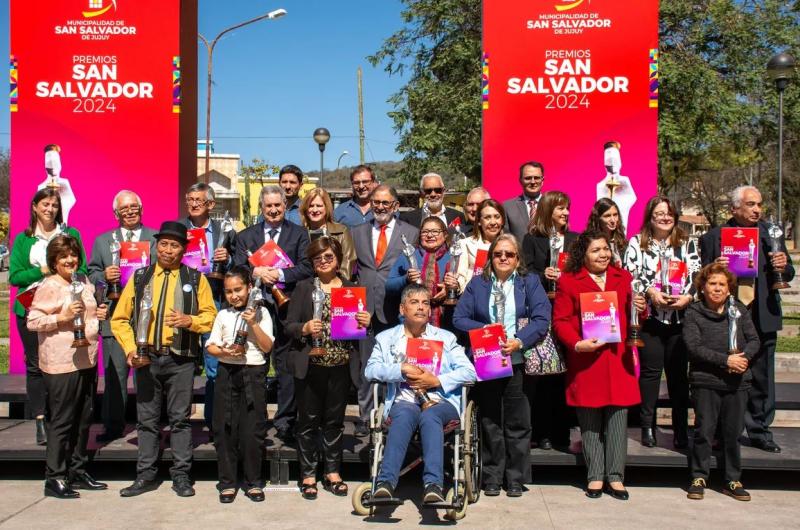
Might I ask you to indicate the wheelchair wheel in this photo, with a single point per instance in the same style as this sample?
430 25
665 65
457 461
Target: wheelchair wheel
454 514
362 493
473 462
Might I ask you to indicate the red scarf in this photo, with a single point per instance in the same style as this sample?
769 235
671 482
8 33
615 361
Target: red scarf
430 279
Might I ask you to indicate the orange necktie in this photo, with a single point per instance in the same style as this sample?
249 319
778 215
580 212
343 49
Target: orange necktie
382 244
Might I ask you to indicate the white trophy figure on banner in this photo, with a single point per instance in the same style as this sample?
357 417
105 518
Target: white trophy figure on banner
52 166
614 186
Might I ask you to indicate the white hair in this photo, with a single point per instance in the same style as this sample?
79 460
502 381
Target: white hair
271 189
479 189
738 194
430 175
120 193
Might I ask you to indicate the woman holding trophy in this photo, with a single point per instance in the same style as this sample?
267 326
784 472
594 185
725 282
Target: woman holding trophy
316 214
721 340
27 268
322 368
665 260
66 317
490 218
241 339
505 294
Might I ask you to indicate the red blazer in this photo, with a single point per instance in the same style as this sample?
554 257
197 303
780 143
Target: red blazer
606 376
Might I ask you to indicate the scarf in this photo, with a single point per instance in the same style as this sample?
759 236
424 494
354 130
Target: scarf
430 279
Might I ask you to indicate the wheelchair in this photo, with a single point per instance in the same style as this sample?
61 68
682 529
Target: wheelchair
462 443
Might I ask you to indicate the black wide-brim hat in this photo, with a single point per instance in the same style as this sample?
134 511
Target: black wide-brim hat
173 230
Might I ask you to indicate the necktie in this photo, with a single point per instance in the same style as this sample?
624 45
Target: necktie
746 291
162 302
382 244
273 233
532 204
129 235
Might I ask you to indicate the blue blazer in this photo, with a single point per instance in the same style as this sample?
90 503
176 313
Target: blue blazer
397 276
530 299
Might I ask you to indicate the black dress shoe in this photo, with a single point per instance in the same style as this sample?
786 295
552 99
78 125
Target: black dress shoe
766 445
183 488
85 481
621 495
41 432
648 437
491 490
594 493
545 444
514 490
255 494
138 487
227 497
361 430
59 489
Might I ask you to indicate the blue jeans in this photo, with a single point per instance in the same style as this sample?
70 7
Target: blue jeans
406 417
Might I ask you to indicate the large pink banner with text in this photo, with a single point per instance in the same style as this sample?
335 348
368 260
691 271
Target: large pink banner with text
101 79
562 78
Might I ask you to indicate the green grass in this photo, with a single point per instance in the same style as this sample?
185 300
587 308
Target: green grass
3 359
788 344
4 319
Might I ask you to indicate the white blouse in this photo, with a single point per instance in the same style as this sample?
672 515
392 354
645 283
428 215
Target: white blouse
469 251
223 333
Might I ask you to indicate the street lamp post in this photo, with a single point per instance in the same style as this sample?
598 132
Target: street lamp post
339 160
272 15
781 70
321 136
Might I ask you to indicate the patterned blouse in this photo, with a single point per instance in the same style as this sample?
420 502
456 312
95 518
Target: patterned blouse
643 265
336 351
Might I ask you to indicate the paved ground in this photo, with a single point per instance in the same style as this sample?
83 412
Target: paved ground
554 502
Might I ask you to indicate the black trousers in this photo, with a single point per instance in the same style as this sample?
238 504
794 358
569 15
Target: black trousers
115 395
34 381
710 408
761 398
506 429
169 376
550 416
664 351
71 398
321 402
240 424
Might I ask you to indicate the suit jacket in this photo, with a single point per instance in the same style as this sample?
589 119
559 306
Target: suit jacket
301 310
101 258
766 308
216 230
536 252
374 278
606 376
293 239
415 217
530 301
517 217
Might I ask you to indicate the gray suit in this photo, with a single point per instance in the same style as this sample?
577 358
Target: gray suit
384 310
115 366
517 217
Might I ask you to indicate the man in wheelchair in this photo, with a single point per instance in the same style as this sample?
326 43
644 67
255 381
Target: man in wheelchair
417 397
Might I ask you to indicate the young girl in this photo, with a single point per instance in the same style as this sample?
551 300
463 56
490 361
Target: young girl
239 395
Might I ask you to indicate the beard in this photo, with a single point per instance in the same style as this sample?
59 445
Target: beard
435 205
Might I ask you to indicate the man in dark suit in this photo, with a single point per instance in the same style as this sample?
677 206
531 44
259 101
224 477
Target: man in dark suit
293 240
520 210
200 201
128 212
471 202
764 305
431 189
378 244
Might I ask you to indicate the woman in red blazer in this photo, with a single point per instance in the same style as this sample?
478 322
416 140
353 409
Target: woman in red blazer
601 381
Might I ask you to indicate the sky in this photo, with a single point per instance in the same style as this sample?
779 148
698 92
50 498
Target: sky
276 81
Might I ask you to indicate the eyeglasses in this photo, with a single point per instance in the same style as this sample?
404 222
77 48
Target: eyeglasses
432 232
498 254
661 215
437 191
382 204
324 258
201 202
534 178
129 209
361 183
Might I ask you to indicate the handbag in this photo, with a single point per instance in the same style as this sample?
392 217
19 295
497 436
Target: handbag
545 357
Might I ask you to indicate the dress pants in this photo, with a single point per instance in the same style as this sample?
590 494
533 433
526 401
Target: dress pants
761 398
506 429
406 417
321 402
604 433
240 424
71 399
664 350
550 416
710 408
171 376
115 395
34 383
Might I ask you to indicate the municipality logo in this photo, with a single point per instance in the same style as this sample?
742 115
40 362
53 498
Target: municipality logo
100 7
566 5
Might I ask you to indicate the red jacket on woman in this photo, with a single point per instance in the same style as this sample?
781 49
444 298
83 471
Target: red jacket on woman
606 376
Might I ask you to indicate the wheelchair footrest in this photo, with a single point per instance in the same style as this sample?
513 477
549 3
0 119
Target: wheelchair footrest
383 501
438 505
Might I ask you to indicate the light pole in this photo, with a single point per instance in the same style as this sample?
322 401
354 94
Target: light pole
339 160
272 15
321 136
781 70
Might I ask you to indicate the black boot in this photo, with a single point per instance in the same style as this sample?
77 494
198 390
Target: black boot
41 432
648 437
59 489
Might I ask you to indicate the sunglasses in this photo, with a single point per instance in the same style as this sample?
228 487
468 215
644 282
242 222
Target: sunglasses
498 254
428 191
324 258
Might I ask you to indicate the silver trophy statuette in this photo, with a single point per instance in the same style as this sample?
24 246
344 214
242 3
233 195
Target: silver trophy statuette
733 325
411 253
114 288
144 317
455 258
500 306
555 248
634 329
254 299
318 300
775 233
663 261
78 324
225 227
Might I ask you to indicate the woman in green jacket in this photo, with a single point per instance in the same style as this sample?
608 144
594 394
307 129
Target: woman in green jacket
27 267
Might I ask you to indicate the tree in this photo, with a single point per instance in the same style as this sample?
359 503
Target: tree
258 171
437 113
5 160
